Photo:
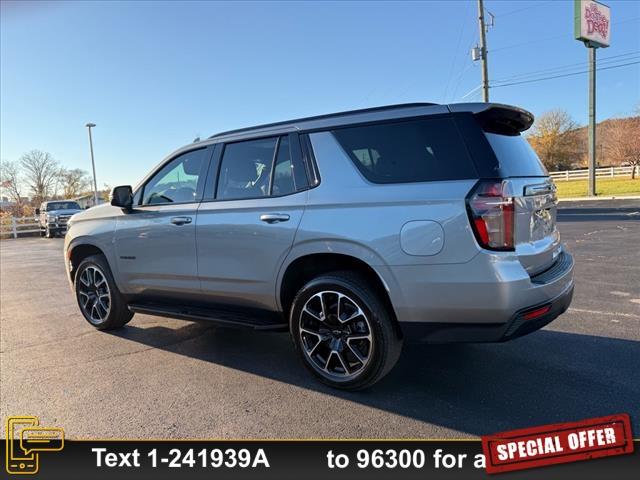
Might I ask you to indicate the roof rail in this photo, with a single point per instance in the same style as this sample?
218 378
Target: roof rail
325 116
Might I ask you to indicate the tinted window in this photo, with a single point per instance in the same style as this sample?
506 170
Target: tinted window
62 206
413 151
246 169
515 156
177 181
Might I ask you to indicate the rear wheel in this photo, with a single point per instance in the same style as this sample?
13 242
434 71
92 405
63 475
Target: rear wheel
100 301
343 331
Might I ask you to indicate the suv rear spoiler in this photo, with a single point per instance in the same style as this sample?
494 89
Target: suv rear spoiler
496 117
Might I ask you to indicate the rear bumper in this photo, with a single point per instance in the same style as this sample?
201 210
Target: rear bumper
495 300
517 326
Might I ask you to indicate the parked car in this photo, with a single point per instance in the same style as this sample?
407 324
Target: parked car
354 231
53 216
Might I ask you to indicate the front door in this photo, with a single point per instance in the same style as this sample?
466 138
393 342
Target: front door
156 242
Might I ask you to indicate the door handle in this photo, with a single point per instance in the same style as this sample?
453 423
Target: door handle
274 217
181 220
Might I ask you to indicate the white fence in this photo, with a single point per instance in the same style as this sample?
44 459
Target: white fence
600 172
12 226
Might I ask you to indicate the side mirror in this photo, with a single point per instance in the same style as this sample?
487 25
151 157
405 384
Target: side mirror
122 197
37 211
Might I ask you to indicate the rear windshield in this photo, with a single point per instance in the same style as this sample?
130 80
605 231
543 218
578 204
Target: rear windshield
409 151
515 156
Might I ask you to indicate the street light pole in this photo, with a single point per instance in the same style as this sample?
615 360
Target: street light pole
93 164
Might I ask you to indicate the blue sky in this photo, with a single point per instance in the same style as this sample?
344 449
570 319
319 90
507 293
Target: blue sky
154 75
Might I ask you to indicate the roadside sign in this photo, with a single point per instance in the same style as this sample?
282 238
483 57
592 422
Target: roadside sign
592 23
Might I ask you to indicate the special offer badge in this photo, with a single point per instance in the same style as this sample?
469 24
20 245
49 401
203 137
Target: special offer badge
558 443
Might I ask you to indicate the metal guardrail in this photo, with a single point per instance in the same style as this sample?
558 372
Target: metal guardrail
600 172
12 226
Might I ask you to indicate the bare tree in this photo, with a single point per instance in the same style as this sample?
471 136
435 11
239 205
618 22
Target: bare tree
106 192
41 172
73 181
11 181
624 142
554 139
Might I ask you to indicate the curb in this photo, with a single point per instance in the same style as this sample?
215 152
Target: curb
581 199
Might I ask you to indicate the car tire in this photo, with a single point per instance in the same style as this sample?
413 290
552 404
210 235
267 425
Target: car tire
98 297
345 334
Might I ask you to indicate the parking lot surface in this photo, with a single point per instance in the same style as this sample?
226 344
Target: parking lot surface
162 378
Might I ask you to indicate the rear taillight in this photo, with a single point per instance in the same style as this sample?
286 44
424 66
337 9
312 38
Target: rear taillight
492 215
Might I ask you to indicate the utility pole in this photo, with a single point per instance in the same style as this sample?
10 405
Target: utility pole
592 121
483 52
93 165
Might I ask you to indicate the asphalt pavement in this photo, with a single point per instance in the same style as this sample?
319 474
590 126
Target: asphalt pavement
163 378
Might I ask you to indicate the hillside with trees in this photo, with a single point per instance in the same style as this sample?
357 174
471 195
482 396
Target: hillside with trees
562 145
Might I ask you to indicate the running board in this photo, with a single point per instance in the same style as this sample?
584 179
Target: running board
255 320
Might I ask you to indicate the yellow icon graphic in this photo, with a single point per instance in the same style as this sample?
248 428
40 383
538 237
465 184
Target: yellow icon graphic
25 440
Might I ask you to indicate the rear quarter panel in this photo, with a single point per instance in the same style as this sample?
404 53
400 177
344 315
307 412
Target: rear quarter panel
346 214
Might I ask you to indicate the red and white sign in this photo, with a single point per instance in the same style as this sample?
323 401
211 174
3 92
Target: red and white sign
560 443
593 22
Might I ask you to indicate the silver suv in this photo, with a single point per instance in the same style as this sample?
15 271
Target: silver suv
354 231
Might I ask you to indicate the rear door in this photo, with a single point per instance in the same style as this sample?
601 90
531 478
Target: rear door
249 218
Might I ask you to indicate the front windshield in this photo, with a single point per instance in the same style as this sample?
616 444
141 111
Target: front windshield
62 206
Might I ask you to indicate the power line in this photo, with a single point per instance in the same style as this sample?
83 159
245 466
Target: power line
553 37
455 57
564 75
553 70
470 92
467 63
518 10
534 76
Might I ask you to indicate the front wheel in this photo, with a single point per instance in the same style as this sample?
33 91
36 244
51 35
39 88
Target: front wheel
343 331
100 301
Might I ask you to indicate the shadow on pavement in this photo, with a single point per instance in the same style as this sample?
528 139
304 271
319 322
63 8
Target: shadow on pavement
545 377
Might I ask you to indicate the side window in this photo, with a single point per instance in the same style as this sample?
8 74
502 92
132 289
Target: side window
283 180
177 181
246 169
422 150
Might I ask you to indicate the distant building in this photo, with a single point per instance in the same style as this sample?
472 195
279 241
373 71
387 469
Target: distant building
6 203
86 201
